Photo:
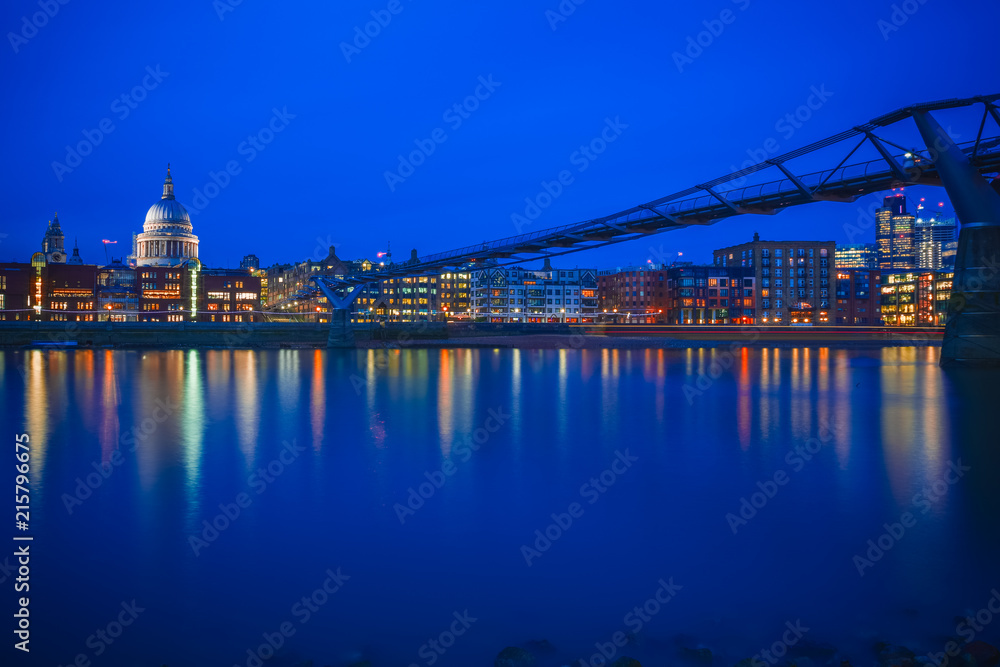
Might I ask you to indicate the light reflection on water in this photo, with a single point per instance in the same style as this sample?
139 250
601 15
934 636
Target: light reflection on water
375 422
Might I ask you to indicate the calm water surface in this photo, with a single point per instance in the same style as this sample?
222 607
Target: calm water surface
184 432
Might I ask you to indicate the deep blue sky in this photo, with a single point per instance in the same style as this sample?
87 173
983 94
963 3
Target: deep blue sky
322 179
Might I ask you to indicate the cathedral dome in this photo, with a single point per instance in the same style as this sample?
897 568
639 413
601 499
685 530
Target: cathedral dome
168 210
167 237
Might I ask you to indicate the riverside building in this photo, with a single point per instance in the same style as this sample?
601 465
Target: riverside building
792 279
915 298
167 283
633 294
858 297
710 295
515 294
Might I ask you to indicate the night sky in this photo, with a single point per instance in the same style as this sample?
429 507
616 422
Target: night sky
212 75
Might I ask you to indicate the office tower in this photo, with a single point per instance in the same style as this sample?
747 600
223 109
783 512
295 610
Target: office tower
894 234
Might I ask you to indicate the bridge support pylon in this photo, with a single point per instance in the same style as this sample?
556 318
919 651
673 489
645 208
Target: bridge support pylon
972 331
341 329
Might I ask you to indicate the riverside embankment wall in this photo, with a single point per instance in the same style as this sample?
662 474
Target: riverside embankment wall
285 335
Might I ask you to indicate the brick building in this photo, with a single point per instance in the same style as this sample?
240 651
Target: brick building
159 293
710 295
634 294
792 278
858 297
229 295
15 291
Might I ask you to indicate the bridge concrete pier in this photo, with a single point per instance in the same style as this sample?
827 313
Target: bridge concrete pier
972 332
341 330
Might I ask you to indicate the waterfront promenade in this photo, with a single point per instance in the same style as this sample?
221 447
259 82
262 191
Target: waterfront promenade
440 334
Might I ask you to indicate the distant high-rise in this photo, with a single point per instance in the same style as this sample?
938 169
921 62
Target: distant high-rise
894 234
250 262
856 256
936 240
895 203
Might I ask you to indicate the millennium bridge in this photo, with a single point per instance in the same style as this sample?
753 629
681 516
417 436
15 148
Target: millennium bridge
965 170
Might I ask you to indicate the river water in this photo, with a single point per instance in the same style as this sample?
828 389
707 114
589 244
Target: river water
367 502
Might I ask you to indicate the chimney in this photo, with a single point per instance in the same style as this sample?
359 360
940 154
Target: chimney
756 236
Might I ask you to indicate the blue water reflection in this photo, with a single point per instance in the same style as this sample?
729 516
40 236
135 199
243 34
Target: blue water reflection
327 447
